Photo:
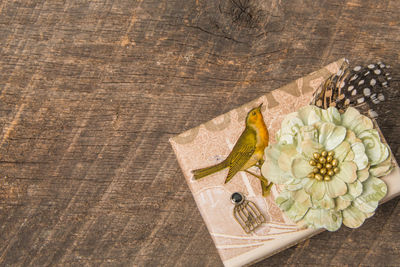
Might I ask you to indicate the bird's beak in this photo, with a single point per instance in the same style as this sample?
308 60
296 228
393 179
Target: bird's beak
259 107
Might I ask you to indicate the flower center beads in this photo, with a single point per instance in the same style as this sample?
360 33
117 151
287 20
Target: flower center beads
325 166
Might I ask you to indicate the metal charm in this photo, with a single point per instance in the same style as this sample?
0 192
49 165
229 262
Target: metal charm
246 213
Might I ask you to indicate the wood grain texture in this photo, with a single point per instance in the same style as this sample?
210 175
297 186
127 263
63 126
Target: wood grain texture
90 92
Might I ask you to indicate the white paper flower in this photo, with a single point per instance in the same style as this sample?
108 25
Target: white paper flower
328 165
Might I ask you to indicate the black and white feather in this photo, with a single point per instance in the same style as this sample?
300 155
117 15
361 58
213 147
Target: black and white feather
360 87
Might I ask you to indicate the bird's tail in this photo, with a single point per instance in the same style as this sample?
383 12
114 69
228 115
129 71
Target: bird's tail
200 173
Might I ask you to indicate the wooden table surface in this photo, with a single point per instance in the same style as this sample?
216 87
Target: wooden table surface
90 92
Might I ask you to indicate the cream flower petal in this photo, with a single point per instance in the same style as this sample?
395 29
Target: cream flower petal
355 189
348 172
332 220
285 139
320 218
284 200
297 211
363 174
347 196
289 129
341 203
383 168
308 132
302 203
375 150
270 168
294 184
300 167
335 188
317 190
353 120
374 190
302 197
353 217
364 206
351 137
307 184
291 124
286 156
308 115
360 158
331 135
272 172
342 151
331 115
308 148
324 203
370 214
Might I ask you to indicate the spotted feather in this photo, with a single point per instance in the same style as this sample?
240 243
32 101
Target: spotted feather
360 87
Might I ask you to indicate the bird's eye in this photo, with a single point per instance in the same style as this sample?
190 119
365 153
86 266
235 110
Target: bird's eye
254 113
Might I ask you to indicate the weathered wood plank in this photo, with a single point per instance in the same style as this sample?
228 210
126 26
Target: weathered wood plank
90 92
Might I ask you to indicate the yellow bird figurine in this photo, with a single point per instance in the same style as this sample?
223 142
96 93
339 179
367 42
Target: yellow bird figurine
247 152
